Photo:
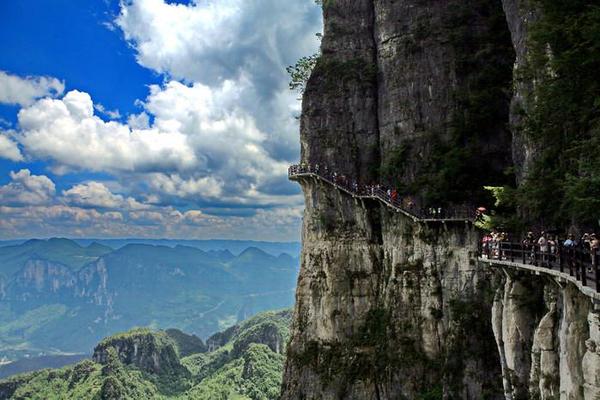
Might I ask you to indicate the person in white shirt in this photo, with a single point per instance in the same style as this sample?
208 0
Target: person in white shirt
543 243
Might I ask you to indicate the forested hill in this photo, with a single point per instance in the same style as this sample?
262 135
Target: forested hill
58 297
245 362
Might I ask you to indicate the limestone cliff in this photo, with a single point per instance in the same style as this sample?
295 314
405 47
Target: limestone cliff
547 335
388 309
405 90
153 352
520 14
413 92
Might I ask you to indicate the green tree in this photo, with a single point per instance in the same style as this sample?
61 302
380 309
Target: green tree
563 120
300 72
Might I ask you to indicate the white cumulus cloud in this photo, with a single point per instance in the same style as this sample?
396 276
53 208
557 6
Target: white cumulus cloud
248 42
199 144
9 149
93 194
97 194
24 91
67 132
27 189
214 138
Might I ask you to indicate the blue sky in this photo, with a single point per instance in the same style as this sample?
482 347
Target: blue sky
150 118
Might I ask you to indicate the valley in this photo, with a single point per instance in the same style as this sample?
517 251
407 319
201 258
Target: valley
59 298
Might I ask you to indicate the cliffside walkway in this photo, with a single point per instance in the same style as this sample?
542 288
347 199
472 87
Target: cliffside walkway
577 265
574 265
376 192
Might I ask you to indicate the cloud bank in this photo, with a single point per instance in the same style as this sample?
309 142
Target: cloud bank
206 155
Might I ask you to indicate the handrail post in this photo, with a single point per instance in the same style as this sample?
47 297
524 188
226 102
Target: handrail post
579 266
584 273
596 270
523 251
571 260
560 258
512 253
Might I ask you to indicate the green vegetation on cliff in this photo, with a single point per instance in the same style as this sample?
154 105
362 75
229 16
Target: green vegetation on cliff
146 364
562 119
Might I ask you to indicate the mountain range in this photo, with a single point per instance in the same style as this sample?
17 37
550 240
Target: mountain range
58 297
234 246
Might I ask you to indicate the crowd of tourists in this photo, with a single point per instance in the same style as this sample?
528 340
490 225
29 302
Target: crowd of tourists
544 248
390 195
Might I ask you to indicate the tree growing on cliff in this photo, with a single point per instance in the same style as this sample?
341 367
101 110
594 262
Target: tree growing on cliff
300 72
563 186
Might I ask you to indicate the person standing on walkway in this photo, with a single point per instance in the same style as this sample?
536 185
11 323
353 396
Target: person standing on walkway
569 250
486 242
543 244
528 244
594 246
552 247
585 241
570 242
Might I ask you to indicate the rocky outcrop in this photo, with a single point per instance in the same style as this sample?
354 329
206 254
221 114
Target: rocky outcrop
186 344
44 276
153 352
268 334
220 339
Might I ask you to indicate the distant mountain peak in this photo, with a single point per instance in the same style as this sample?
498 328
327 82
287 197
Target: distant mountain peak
253 252
98 246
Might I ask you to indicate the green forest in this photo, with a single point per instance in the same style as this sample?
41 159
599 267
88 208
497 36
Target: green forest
563 117
245 363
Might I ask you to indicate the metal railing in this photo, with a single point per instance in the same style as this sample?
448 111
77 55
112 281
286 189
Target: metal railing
580 262
405 205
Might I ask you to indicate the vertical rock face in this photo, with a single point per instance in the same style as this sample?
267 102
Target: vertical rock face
44 276
402 83
520 14
339 111
434 63
387 308
547 335
591 360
